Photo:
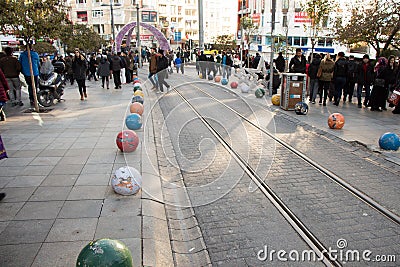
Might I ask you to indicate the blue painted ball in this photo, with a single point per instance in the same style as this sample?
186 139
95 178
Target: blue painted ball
301 108
137 98
224 81
389 141
133 121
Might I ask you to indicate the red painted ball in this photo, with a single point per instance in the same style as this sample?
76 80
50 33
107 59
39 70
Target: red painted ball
127 141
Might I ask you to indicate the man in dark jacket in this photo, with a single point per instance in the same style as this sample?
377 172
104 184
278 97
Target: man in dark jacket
116 66
365 78
256 61
314 81
298 62
351 78
162 66
280 63
11 69
339 76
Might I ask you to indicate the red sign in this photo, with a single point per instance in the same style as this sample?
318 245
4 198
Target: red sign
301 17
256 18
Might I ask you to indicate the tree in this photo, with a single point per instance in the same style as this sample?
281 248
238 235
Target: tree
82 37
317 11
377 23
32 20
224 42
249 30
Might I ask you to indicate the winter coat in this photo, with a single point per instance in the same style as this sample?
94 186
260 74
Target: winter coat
153 64
92 64
280 63
104 68
10 66
3 88
79 67
352 69
340 69
313 68
23 59
327 67
116 64
390 74
255 62
367 76
68 66
162 63
297 65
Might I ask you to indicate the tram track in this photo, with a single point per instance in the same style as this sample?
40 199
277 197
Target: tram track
311 240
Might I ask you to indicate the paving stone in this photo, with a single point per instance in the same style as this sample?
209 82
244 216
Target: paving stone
119 207
46 193
155 228
157 253
64 254
118 227
153 209
87 192
60 180
93 179
39 210
72 230
71 169
21 232
17 194
81 209
23 254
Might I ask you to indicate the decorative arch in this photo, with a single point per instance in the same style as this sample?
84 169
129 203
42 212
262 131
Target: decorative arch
128 28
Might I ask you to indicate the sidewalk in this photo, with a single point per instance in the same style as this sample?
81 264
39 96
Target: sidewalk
57 181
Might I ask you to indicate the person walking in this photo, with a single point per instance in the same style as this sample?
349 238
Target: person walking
298 62
79 68
104 71
352 68
312 73
339 77
153 68
116 66
162 66
11 69
178 63
280 63
92 67
325 73
24 60
3 95
379 94
365 76
69 74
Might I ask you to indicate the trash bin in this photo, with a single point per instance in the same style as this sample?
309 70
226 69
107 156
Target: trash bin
293 90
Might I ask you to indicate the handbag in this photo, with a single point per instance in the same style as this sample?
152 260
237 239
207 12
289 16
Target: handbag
319 73
379 82
394 98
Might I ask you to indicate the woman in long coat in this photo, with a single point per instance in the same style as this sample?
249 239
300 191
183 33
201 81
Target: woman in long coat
79 67
326 74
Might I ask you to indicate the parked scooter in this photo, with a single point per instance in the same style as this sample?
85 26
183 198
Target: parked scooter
51 83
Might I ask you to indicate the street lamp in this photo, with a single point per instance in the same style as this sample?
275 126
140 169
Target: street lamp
112 17
138 34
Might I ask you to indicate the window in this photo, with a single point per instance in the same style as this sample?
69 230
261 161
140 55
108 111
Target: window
82 15
290 42
304 41
321 41
296 41
97 13
325 21
81 1
329 42
284 21
267 40
285 4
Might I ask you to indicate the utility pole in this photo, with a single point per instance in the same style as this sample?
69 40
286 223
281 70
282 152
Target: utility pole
241 33
138 44
201 26
271 74
112 25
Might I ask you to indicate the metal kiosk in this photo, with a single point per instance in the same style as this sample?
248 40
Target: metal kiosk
293 90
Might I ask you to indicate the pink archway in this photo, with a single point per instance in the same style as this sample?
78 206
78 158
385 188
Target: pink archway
128 28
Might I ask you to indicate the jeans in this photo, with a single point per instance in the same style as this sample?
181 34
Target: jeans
226 71
340 82
117 78
153 79
367 93
30 86
314 85
81 86
161 80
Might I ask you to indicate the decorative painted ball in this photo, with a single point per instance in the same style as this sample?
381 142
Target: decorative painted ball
276 100
210 77
105 252
138 93
127 141
126 181
234 85
336 121
224 81
133 121
244 88
137 98
137 86
217 79
136 108
260 92
389 141
301 108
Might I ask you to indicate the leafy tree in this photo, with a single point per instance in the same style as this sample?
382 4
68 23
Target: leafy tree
317 11
249 30
82 37
376 22
32 20
224 42
44 47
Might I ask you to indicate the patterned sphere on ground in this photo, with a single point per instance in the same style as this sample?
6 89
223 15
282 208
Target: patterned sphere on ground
136 80
201 76
105 252
210 77
389 141
224 81
133 121
276 100
126 181
127 141
244 88
260 92
139 93
234 85
137 86
137 98
135 77
136 108
301 108
336 121
217 79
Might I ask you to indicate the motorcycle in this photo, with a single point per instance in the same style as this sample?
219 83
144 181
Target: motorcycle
51 83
